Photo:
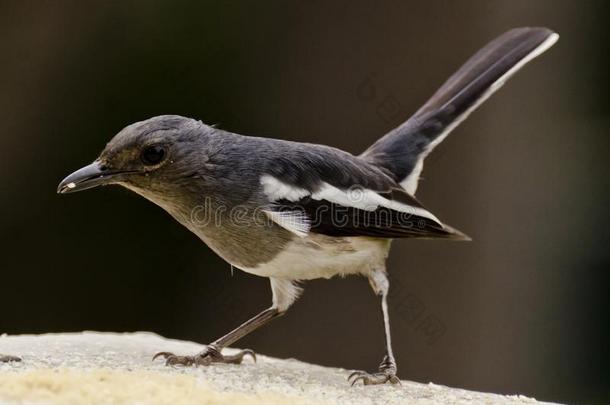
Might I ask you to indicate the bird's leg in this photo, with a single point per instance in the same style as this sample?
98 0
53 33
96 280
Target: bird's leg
284 294
387 369
6 359
212 353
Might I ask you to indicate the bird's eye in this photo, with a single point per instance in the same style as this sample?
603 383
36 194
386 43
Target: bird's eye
153 155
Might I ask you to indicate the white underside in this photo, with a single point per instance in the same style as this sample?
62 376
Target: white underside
410 183
319 256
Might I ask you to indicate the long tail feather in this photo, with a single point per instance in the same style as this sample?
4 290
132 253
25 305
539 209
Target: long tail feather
402 150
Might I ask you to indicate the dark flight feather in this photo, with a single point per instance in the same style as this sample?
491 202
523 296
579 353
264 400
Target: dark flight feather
399 151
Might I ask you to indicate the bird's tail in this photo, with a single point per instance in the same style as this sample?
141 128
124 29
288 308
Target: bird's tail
401 152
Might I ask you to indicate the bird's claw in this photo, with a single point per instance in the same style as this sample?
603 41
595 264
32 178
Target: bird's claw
172 360
210 355
7 359
373 379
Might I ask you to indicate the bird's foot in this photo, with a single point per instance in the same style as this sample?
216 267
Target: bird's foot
211 354
7 359
387 372
373 378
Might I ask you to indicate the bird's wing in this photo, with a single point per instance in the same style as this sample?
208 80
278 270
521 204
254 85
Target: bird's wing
331 207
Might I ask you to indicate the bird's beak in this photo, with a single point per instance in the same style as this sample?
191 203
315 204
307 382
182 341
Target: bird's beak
90 176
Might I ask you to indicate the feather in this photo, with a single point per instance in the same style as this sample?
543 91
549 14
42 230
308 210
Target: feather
402 150
333 211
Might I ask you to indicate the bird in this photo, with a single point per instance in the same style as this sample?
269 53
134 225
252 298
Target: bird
292 211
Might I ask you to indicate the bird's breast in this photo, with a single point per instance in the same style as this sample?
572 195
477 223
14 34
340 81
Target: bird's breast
266 249
319 256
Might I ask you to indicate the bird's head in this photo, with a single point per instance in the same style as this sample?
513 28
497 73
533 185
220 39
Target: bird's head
151 157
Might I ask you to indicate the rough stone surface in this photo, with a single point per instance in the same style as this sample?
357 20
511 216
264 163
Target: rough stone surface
109 368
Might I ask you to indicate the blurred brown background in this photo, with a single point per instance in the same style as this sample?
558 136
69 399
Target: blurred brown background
524 308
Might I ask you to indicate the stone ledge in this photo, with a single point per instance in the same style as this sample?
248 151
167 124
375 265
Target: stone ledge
94 368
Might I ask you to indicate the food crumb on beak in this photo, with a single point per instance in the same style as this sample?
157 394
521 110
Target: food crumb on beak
71 185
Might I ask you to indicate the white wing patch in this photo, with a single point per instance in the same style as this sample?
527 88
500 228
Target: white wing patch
359 198
410 182
296 222
277 190
367 200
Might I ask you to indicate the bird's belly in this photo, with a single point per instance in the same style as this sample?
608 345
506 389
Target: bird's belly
319 256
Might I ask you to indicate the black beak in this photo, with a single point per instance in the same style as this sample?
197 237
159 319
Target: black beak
89 176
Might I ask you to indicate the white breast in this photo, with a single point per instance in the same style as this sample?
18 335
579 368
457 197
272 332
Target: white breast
320 256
